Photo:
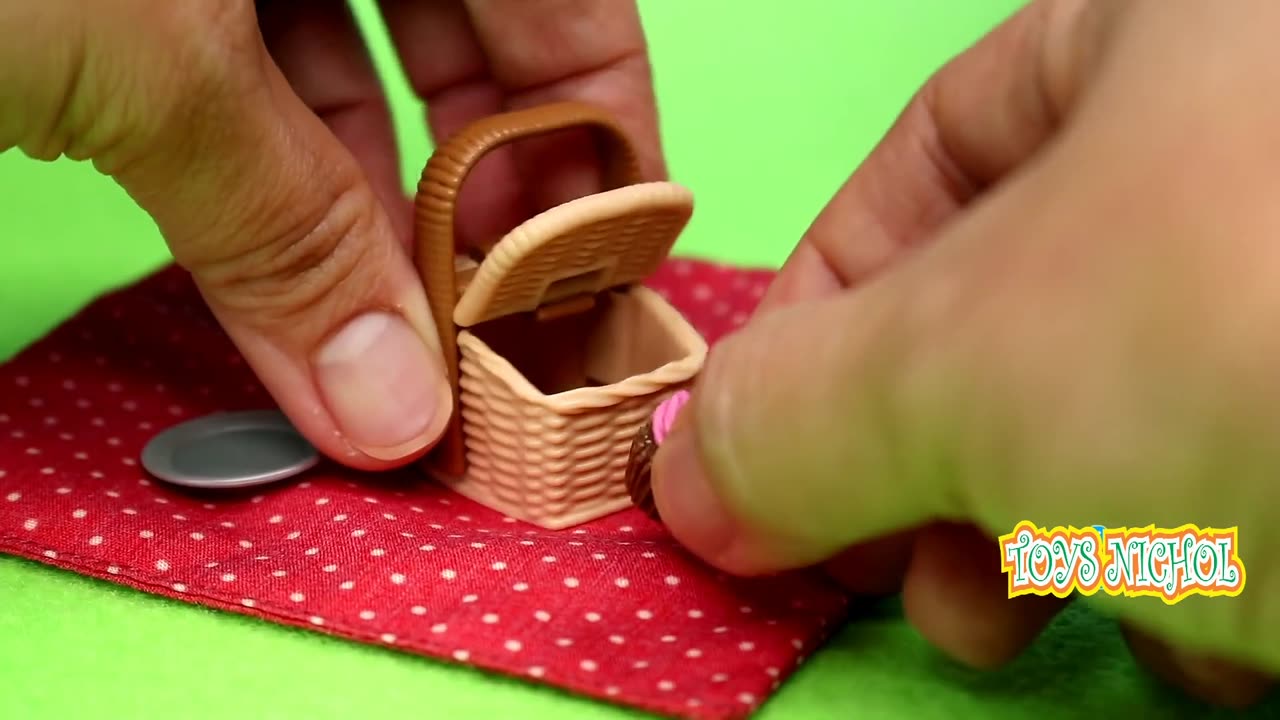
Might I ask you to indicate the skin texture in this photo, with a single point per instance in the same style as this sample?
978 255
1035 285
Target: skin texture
1049 295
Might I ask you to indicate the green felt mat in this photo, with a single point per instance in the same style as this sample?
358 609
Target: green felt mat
766 109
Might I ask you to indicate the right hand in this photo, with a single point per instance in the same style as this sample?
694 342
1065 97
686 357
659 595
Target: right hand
1051 294
260 142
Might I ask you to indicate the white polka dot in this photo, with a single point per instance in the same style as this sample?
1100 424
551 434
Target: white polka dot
311 551
293 535
589 665
418 610
797 643
626 528
329 568
275 519
520 587
162 565
322 501
146 534
316 620
114 570
448 574
512 645
719 678
79 513
622 582
47 471
397 578
541 615
592 617
640 664
13 496
357 533
548 558
693 653
477 545
339 518
179 587
95 540
564 642
499 566
387 638
644 614
695 614
248 602
470 598
536 671
67 490
439 628
668 638
746 698
297 597
129 511
367 614
671 580
30 524
377 552
746 646
612 690
772 672
228 577
489 619
279 573
571 582
51 554
346 585
388 516
245 544
666 685
461 655
113 494
427 548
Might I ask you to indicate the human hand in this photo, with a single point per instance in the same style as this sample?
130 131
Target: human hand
1049 295
260 142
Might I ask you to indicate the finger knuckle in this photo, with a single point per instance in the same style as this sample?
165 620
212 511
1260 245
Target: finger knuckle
302 264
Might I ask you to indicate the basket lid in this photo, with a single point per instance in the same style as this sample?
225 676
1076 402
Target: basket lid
577 250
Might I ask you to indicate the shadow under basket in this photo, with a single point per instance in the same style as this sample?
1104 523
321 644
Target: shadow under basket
556 352
549 408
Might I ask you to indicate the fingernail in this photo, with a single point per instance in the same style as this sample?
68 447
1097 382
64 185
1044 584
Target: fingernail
686 499
384 387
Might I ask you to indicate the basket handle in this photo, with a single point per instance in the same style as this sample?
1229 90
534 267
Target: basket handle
438 191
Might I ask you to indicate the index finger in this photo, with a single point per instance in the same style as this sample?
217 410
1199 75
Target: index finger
977 119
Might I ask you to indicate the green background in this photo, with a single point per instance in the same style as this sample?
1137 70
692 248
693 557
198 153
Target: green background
766 108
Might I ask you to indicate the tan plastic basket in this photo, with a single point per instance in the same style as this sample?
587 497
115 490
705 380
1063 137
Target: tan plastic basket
556 354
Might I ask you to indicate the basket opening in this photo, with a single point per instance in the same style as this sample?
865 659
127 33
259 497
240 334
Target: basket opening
618 338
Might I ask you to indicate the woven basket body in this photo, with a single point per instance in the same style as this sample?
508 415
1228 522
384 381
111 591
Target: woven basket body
556 353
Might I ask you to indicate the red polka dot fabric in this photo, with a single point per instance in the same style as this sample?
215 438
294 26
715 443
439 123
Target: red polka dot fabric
612 609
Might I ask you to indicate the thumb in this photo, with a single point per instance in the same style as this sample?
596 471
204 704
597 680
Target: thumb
788 450
272 216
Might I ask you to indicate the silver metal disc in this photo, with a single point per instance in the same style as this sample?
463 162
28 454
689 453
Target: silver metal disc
230 450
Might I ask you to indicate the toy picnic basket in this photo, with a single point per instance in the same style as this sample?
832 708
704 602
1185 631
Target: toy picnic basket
556 354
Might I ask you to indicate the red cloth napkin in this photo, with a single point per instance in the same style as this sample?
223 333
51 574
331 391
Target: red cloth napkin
613 609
